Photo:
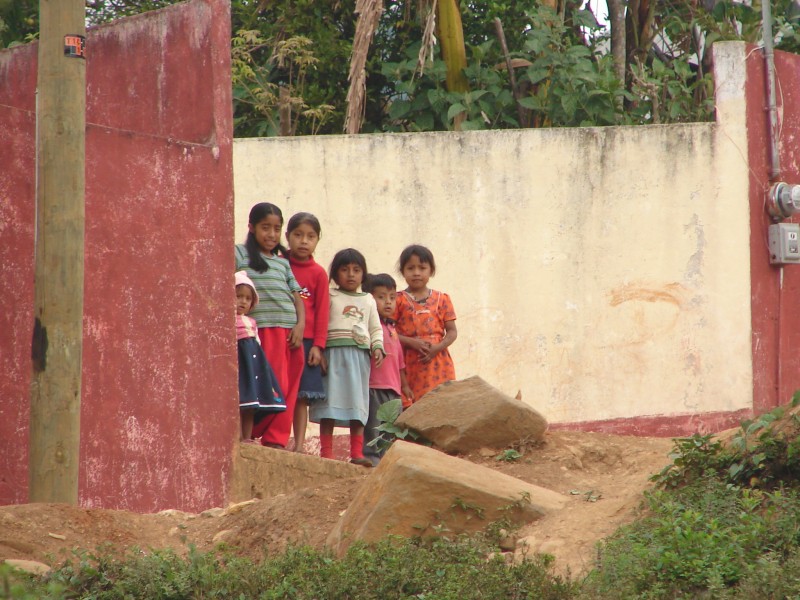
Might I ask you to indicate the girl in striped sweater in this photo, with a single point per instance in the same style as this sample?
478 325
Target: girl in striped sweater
280 314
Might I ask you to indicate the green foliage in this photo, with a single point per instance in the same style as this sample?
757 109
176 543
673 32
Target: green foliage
301 45
758 455
693 458
393 568
304 46
724 515
103 11
567 83
387 415
19 22
571 82
704 538
256 90
770 578
671 93
509 455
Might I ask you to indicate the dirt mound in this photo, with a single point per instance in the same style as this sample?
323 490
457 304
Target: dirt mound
602 475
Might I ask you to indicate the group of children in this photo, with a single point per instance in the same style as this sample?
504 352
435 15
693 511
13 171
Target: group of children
333 355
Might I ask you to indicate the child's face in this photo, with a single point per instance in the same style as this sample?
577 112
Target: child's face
267 232
416 273
349 277
386 299
244 299
302 241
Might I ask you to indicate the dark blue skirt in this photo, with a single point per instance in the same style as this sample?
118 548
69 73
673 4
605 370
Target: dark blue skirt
258 387
311 388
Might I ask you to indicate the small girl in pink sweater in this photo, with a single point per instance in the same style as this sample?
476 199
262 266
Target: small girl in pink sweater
259 393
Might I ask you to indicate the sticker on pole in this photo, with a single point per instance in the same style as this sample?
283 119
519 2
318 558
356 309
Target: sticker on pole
75 46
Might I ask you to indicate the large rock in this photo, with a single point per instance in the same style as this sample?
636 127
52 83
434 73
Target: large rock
260 472
461 416
28 566
419 491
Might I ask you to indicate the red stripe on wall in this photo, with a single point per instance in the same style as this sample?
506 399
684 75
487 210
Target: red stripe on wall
661 425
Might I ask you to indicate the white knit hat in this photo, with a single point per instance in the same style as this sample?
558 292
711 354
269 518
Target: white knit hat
243 279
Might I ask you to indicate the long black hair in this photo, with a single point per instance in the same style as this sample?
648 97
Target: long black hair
257 214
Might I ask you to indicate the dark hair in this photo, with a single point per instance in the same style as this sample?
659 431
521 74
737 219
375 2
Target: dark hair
346 257
421 252
379 280
300 218
257 214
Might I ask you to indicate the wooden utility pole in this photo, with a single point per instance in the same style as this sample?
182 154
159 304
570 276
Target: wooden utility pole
58 326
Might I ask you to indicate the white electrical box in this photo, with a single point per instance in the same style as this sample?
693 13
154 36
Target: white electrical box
784 243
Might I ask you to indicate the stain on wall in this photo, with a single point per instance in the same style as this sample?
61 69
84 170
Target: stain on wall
159 412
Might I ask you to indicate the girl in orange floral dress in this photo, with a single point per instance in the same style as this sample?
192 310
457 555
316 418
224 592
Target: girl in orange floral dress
426 325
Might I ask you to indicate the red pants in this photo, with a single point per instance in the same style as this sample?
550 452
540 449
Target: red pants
288 367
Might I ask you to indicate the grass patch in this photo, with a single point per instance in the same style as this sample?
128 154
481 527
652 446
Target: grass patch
441 569
723 523
705 540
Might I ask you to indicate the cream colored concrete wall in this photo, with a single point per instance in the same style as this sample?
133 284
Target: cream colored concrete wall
604 272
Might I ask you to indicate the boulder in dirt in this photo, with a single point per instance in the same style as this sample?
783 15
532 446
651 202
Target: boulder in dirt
28 566
462 416
419 491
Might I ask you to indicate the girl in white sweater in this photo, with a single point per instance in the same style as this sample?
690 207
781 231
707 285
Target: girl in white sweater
354 332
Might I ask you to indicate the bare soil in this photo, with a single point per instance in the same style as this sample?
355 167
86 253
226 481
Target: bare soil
603 476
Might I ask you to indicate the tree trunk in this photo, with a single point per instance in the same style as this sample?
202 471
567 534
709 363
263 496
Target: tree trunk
284 112
616 14
639 29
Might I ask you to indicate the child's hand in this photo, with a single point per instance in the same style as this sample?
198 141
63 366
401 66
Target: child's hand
432 350
378 355
420 345
408 393
295 338
323 365
314 356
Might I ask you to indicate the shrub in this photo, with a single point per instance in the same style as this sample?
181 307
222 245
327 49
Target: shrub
708 536
460 568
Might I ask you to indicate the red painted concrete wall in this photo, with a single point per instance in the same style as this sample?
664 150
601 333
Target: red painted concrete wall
775 291
159 413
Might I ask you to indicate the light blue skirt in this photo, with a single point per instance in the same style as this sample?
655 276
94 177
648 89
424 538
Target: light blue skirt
346 387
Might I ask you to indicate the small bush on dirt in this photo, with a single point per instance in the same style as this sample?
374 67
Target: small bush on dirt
724 515
704 538
459 568
509 455
387 415
764 453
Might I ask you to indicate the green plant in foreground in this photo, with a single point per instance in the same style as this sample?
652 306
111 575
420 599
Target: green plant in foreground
726 514
387 415
459 569
764 453
709 536
693 458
